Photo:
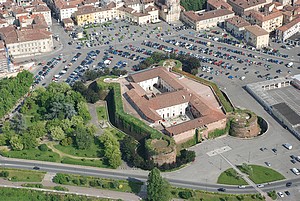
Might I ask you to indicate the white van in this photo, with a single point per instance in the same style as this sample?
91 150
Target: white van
288 146
295 171
242 78
290 64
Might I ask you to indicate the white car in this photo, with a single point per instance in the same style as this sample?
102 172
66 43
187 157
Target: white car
260 185
280 194
241 186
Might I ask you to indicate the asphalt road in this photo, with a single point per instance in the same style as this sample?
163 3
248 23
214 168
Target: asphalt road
134 175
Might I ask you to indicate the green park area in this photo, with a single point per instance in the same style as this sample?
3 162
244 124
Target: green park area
231 177
53 125
258 174
101 112
21 175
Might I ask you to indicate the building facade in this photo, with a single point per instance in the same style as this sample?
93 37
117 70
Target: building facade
236 26
256 36
288 30
200 21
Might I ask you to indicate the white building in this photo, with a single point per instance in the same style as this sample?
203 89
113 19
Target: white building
288 30
26 42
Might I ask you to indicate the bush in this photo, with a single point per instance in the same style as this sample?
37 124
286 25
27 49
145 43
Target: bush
83 181
43 147
4 174
60 188
185 194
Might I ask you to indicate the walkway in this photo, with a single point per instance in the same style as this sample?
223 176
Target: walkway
62 154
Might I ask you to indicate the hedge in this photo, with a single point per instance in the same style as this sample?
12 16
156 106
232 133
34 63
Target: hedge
225 103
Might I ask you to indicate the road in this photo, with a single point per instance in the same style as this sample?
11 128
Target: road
134 175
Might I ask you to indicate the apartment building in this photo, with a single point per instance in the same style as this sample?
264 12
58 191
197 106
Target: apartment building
268 21
256 36
241 6
236 26
213 18
26 42
217 4
3 59
288 30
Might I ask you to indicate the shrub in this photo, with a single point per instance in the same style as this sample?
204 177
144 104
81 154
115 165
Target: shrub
43 147
60 188
4 174
83 181
185 194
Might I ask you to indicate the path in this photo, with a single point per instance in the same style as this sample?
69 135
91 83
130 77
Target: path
94 115
62 154
94 192
246 178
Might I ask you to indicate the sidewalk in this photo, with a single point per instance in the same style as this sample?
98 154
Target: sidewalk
94 192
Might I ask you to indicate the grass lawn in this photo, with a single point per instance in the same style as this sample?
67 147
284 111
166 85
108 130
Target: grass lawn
85 162
198 195
35 154
92 151
24 175
229 177
101 112
262 174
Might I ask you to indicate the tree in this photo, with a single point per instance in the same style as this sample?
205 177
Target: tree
82 138
16 143
157 187
29 141
37 129
83 111
57 133
18 123
112 152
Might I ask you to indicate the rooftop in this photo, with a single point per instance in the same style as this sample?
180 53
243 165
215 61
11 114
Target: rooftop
256 30
247 3
285 110
207 15
237 21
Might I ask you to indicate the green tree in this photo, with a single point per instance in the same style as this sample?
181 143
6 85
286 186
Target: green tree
112 152
37 129
83 111
16 143
157 187
57 133
82 138
18 123
29 141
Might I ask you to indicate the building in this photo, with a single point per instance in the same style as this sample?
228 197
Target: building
157 95
241 6
268 21
286 31
296 81
26 42
236 26
169 10
3 59
64 9
217 4
68 23
287 116
213 18
256 36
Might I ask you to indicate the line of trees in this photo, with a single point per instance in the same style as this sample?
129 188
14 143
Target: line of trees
12 89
